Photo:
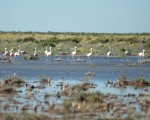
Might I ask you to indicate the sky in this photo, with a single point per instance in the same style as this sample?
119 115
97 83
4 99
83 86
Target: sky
98 16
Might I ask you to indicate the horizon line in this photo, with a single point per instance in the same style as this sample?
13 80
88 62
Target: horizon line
75 32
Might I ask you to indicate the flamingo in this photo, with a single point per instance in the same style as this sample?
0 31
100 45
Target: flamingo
127 52
11 53
48 53
21 51
109 53
6 53
17 53
141 54
73 53
35 53
89 54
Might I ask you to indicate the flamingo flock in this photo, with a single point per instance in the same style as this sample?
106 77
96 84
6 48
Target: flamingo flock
12 54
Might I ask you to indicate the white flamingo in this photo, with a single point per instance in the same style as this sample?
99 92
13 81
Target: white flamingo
48 53
73 53
6 53
141 54
21 51
35 53
126 51
109 53
16 54
89 54
11 53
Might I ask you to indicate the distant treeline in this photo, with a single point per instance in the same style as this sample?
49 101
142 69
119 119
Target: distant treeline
71 33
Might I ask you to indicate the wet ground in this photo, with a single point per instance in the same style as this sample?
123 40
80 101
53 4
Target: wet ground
72 71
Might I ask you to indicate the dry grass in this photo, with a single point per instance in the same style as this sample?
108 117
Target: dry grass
66 41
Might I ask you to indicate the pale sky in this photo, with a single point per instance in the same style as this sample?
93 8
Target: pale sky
101 16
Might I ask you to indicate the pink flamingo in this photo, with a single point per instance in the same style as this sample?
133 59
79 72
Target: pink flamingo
17 53
73 53
11 53
6 53
48 53
141 54
21 51
35 53
89 54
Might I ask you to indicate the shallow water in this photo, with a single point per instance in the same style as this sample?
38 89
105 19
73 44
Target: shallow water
74 72
104 68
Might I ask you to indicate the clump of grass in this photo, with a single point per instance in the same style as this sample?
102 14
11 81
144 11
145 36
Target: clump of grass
138 82
7 90
95 97
92 65
23 116
132 64
8 117
67 105
45 79
30 57
80 96
122 78
12 80
140 79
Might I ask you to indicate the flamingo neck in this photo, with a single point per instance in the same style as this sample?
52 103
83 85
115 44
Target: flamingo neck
35 50
75 49
109 49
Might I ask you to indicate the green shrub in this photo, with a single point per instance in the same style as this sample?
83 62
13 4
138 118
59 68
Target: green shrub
67 105
29 39
140 79
122 78
8 117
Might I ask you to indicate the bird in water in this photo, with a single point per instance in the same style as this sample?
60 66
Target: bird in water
73 53
109 52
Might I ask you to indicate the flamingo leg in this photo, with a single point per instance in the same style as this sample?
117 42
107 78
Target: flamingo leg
73 58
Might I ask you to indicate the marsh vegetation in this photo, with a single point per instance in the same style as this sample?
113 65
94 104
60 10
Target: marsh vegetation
65 42
99 87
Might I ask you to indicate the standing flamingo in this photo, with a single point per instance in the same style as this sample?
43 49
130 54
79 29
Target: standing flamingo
48 53
11 54
6 53
127 52
109 53
17 53
73 53
89 54
141 54
35 53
